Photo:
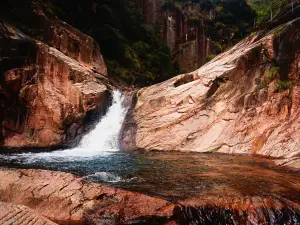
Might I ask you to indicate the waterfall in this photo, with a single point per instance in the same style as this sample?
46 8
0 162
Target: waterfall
102 140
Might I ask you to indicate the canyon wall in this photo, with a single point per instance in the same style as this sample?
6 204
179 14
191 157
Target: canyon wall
183 30
52 78
245 101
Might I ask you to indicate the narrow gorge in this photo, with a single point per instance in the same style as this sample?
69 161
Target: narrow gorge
83 140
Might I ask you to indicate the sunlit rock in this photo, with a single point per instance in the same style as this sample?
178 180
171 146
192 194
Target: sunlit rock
233 104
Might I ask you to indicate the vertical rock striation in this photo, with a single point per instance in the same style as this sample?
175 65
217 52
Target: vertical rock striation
183 30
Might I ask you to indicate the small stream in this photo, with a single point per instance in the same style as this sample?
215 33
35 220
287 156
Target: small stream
224 181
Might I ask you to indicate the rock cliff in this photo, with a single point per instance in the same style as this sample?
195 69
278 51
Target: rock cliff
185 37
246 101
52 78
196 31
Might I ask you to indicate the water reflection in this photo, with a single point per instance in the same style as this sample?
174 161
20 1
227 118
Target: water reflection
178 176
207 188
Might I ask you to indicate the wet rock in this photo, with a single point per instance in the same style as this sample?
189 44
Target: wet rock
234 210
66 199
226 109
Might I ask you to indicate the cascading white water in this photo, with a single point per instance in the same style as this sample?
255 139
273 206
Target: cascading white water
105 135
102 140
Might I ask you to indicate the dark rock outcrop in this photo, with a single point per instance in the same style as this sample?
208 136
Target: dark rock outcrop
52 79
196 31
186 38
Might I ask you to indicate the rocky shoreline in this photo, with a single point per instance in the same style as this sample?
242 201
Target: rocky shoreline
66 199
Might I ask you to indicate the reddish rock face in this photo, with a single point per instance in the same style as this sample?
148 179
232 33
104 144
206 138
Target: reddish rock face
78 46
18 214
231 105
48 89
38 21
66 199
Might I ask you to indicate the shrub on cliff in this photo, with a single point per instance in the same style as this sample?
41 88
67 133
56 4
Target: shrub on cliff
266 9
231 22
134 52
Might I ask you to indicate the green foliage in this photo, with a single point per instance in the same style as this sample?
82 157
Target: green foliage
194 18
231 23
263 84
220 25
172 4
263 13
266 9
210 57
184 45
218 46
283 85
269 76
218 9
134 52
273 73
278 30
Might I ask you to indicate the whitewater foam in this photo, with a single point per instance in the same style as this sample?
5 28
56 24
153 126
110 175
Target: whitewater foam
108 177
101 141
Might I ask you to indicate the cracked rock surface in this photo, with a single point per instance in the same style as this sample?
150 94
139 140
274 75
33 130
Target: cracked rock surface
230 105
18 214
66 199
